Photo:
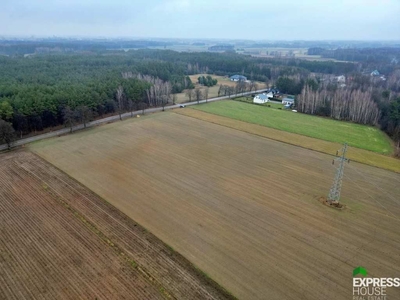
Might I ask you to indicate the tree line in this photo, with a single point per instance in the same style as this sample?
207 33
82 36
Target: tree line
341 104
353 103
374 55
35 91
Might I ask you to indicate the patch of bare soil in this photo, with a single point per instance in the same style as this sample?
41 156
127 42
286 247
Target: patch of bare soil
332 204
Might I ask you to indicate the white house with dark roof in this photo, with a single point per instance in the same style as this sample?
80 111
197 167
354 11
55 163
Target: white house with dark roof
238 78
262 98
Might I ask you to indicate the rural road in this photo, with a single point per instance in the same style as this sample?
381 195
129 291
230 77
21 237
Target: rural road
111 119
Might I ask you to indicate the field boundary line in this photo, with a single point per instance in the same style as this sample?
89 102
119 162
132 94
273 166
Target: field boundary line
106 240
390 167
299 134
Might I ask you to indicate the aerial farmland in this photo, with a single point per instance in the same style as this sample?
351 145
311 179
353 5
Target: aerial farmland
242 208
178 149
59 240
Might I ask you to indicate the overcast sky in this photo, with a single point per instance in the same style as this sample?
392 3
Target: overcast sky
232 19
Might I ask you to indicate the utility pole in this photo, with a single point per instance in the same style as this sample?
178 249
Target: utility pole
334 193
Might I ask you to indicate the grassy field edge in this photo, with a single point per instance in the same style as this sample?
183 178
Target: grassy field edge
356 154
356 135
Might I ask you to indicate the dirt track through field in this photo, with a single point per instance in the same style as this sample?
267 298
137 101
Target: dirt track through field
242 208
60 241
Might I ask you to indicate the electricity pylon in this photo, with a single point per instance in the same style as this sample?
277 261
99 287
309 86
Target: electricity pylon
334 193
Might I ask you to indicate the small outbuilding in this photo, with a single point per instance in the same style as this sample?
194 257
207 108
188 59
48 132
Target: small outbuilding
287 101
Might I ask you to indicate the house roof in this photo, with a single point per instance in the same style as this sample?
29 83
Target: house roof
375 72
238 77
274 91
262 96
288 99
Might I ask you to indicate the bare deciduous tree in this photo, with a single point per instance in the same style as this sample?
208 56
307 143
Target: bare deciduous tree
131 106
240 87
68 117
220 90
142 106
342 104
253 86
189 94
120 100
237 88
230 90
198 94
206 94
164 101
159 92
84 114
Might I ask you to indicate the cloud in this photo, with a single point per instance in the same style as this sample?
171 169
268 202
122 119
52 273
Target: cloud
251 19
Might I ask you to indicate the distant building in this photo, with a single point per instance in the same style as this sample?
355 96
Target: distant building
287 101
341 79
275 92
262 98
375 73
238 78
270 95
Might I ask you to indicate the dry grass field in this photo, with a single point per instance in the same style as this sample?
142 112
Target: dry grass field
212 91
242 208
58 240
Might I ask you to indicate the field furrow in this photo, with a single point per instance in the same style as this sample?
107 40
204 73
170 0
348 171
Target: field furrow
47 253
61 241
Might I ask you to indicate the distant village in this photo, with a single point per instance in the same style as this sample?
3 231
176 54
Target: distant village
288 101
269 95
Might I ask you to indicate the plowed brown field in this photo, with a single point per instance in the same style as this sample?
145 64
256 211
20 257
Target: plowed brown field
58 240
243 208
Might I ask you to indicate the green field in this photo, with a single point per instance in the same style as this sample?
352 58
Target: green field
267 104
356 135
